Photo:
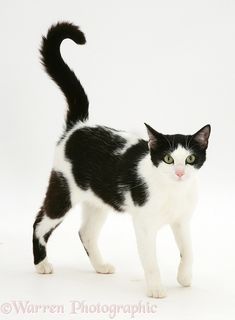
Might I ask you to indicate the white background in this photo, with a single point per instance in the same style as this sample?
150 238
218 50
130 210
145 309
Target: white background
168 63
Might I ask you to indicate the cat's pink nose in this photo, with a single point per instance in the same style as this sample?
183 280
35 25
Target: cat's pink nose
179 173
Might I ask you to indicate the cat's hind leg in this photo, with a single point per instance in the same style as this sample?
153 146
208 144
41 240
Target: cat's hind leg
93 220
56 204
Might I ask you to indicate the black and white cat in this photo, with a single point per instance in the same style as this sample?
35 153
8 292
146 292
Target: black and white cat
103 168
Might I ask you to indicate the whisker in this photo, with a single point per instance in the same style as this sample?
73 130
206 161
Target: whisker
187 142
138 185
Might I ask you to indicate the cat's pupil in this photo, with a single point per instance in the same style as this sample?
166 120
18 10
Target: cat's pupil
190 159
168 159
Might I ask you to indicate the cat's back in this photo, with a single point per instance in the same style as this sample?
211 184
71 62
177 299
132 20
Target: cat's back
98 151
93 140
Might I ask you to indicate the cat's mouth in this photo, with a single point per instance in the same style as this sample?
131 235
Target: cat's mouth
180 179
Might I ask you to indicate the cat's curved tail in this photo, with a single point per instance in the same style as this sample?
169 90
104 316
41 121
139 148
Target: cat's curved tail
59 71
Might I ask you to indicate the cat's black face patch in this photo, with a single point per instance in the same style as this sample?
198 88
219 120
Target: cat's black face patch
160 145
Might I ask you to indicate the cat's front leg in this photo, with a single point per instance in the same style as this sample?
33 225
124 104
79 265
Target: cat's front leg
146 243
182 235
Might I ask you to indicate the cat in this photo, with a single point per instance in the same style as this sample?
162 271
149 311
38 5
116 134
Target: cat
101 168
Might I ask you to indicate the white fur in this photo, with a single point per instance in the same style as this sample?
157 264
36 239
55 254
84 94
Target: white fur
45 226
93 220
131 140
44 267
171 201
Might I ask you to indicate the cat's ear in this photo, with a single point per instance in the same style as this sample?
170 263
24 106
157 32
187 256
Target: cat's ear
202 136
153 137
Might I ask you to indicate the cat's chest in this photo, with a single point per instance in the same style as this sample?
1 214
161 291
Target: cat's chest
166 206
177 203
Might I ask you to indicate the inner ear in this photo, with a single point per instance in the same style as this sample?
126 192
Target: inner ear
202 136
153 137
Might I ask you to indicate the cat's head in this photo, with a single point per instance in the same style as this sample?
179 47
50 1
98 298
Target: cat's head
178 156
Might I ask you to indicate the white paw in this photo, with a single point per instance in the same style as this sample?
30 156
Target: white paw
156 292
184 276
105 268
44 267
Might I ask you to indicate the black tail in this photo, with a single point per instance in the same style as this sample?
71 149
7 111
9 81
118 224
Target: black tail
59 71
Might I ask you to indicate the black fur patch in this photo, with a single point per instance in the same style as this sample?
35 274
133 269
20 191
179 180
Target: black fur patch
134 183
57 201
97 164
39 251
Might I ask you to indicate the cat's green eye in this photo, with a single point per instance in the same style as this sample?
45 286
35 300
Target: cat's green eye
190 159
168 159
